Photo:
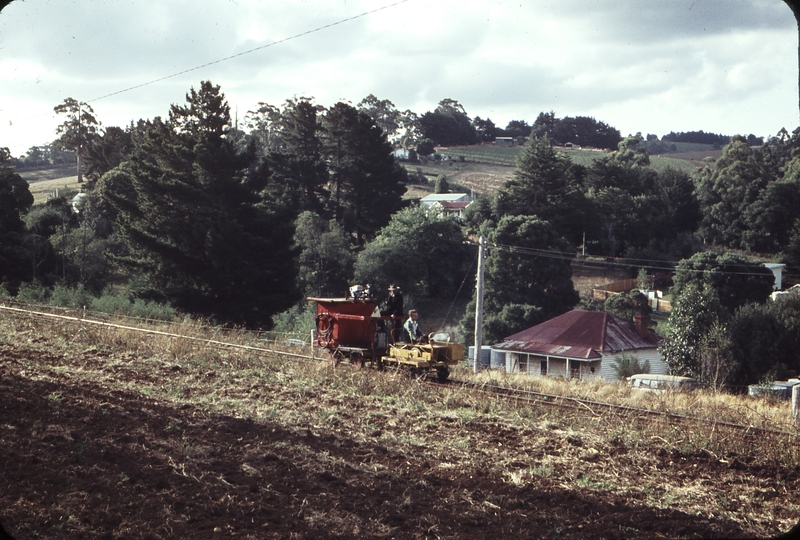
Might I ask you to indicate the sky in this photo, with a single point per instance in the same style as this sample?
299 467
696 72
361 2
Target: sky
649 66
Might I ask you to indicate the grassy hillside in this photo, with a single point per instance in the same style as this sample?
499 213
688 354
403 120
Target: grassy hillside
45 182
507 157
43 189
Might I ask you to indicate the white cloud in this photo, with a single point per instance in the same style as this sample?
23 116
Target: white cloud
653 66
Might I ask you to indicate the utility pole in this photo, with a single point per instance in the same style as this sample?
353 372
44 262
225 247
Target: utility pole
479 306
80 143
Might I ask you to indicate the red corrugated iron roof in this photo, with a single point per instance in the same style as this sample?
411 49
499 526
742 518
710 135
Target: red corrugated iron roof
579 334
454 204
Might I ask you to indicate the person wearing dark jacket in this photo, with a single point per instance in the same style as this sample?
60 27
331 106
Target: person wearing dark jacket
394 309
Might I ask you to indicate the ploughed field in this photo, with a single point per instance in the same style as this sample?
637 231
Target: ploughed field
107 433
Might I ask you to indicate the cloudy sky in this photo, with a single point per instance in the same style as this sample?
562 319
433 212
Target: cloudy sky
655 66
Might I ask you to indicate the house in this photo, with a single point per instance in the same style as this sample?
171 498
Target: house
581 345
435 198
452 209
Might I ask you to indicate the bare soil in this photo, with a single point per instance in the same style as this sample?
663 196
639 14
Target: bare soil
155 439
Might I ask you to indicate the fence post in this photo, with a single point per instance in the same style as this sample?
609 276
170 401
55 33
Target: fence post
796 405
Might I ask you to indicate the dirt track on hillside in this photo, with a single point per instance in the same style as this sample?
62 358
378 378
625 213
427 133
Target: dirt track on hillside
85 456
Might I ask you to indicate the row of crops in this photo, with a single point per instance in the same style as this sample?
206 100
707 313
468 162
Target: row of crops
507 156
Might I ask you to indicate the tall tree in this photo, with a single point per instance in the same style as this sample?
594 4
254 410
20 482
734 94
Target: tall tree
448 125
485 129
695 312
735 280
15 200
202 232
421 251
545 185
77 130
726 191
525 284
298 165
107 151
766 340
365 181
384 114
326 261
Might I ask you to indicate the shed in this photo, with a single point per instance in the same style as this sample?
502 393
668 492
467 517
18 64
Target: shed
505 141
581 345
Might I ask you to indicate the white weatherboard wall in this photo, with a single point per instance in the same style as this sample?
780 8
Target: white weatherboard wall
657 364
517 362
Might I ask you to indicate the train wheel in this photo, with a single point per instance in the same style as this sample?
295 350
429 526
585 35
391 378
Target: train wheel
417 373
443 373
334 358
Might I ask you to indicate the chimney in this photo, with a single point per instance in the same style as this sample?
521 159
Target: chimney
641 321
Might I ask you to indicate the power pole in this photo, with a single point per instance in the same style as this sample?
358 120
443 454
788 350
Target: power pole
479 306
80 141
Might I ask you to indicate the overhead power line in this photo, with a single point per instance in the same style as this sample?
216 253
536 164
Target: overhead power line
237 55
225 59
652 263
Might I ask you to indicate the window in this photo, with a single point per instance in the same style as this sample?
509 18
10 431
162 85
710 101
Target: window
543 368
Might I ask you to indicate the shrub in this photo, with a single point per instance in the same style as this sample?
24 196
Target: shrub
627 365
147 309
33 293
63 296
112 304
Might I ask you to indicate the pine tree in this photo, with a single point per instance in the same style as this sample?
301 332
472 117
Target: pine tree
15 199
202 233
366 182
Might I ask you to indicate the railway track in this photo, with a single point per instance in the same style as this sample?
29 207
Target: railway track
529 397
597 408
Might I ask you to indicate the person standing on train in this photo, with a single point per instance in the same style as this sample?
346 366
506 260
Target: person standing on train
394 309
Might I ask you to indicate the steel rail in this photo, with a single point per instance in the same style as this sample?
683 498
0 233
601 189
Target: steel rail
573 403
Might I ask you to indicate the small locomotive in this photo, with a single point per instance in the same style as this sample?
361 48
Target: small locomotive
352 330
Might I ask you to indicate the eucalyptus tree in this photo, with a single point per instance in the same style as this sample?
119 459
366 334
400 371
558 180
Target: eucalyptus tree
77 130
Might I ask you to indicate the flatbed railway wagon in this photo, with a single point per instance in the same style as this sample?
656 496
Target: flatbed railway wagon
351 330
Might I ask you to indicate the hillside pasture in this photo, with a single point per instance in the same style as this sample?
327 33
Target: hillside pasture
45 183
507 156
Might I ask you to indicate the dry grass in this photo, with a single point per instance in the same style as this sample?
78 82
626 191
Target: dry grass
702 404
42 189
189 362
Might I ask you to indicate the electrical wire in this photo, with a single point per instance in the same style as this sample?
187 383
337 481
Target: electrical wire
225 59
567 256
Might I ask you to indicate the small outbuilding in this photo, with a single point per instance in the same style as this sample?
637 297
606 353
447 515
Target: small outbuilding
581 345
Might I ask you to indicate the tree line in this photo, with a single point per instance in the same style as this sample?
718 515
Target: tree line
237 226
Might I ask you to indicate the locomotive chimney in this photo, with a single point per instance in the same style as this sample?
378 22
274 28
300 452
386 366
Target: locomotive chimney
641 321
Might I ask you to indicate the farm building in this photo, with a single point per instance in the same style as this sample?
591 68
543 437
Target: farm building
438 198
505 141
581 345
